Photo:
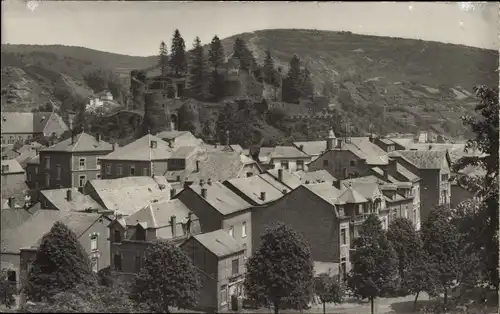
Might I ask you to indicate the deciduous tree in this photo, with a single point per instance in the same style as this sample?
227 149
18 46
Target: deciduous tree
374 262
167 279
281 271
178 54
329 290
60 264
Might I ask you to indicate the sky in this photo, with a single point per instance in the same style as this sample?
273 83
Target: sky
137 27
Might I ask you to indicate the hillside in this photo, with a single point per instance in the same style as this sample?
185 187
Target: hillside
422 85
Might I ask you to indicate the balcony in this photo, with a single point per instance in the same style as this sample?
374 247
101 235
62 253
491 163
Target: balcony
359 219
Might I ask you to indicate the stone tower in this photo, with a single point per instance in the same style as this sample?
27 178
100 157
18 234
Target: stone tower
156 113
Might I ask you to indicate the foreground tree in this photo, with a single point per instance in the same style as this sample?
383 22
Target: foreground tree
441 244
163 58
329 290
167 279
60 264
281 271
7 290
374 262
178 54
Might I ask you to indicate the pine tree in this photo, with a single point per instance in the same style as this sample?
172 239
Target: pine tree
163 58
60 264
306 84
178 54
281 271
198 81
374 262
291 88
268 69
245 56
167 279
216 53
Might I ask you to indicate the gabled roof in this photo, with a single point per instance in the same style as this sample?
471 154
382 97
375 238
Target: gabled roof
157 215
374 154
129 194
33 161
14 166
221 198
30 233
253 186
289 179
410 176
11 218
315 176
83 142
140 150
171 134
365 189
267 154
78 203
350 196
326 191
312 148
24 122
424 159
219 242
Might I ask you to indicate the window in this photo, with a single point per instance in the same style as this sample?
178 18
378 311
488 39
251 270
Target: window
284 165
58 172
132 170
145 172
300 165
154 144
360 209
11 276
98 177
47 162
117 236
11 140
352 163
244 229
117 262
344 173
231 231
28 177
93 243
108 168
138 263
343 237
98 163
140 234
81 181
81 164
244 249
344 270
119 170
47 180
94 264
444 177
223 295
325 162
235 264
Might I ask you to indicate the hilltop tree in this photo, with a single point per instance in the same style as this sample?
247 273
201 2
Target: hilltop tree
241 51
60 264
486 128
374 262
198 85
291 85
306 84
281 271
167 279
269 70
441 243
216 53
163 58
178 54
329 290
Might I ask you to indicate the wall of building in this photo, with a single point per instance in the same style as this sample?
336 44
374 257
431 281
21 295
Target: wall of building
55 125
100 227
32 175
56 158
142 168
11 261
210 219
233 282
91 170
236 221
292 163
12 138
319 225
13 185
338 160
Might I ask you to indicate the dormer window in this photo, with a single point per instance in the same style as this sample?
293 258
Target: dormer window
5 168
154 144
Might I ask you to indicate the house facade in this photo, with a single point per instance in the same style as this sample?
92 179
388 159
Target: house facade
13 180
27 126
72 162
287 158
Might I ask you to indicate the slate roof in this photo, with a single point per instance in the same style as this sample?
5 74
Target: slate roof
27 152
252 187
312 148
24 122
157 215
326 191
290 179
350 196
267 154
219 242
423 159
83 143
30 233
33 161
171 134
14 166
140 150
374 155
13 218
386 141
78 203
221 198
315 176
406 173
129 194
365 189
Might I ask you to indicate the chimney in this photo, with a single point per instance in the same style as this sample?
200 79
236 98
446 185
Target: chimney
178 178
280 175
307 182
330 141
209 181
69 197
98 137
386 174
188 224
202 182
72 137
172 193
173 223
263 196
227 138
11 203
114 146
284 191
339 143
203 192
301 147
197 166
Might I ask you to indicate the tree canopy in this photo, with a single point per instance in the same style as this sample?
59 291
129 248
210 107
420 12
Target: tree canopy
167 279
292 84
216 53
329 289
178 54
7 290
281 270
163 58
60 264
198 78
